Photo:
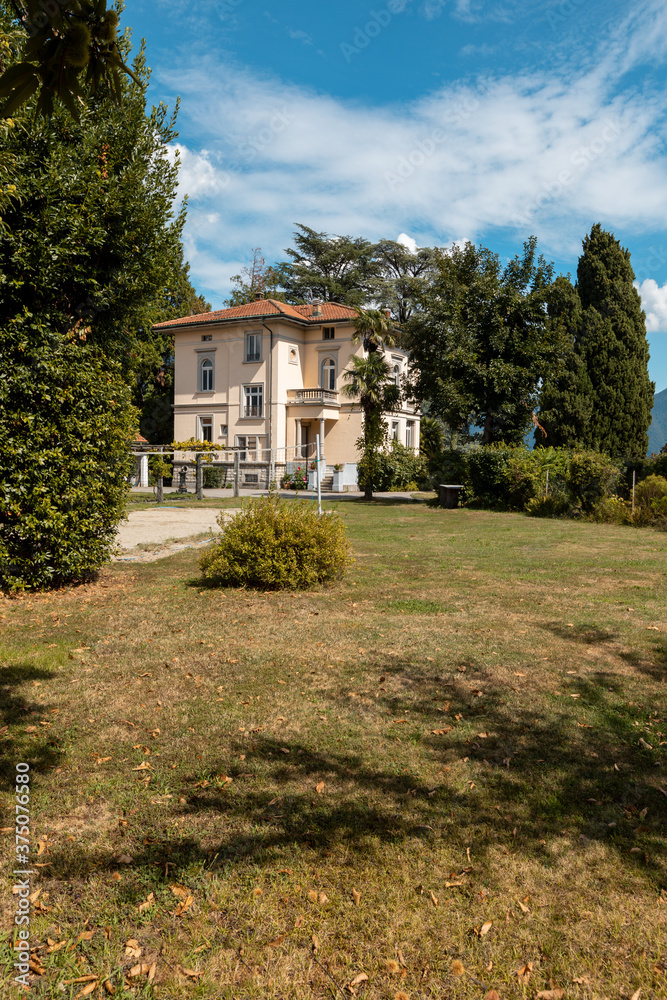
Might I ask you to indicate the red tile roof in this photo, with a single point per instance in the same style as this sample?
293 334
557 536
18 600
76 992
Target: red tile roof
329 313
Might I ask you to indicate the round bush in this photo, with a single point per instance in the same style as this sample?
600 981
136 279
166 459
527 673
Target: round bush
277 545
650 489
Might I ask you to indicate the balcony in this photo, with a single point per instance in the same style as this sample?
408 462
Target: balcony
315 397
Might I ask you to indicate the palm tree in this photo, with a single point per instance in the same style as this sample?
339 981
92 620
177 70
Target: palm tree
373 328
369 380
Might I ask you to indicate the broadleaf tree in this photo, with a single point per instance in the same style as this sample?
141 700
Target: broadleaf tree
481 342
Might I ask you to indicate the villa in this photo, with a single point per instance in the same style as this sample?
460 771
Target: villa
266 379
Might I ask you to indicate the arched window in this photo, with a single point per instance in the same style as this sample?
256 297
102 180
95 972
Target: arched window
328 380
397 374
207 376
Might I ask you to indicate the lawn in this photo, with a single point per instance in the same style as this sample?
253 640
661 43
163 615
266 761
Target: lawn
442 777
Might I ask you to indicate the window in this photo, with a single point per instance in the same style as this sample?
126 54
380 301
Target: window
250 447
397 374
205 429
394 430
253 346
328 374
206 376
328 333
410 434
207 336
254 400
223 430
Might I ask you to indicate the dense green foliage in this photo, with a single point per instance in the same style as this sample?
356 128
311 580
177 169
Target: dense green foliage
482 341
65 427
277 545
69 50
332 268
603 398
90 254
397 468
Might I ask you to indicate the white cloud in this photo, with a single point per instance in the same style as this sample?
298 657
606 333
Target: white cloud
654 304
408 242
547 153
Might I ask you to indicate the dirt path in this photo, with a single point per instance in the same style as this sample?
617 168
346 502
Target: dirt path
153 534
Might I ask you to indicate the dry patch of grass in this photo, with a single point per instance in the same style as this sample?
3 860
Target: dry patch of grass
457 756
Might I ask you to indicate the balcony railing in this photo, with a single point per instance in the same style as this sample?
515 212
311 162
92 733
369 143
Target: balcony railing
316 396
254 411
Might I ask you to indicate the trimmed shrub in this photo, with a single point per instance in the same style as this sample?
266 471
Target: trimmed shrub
213 477
503 478
591 476
394 470
66 424
650 489
277 545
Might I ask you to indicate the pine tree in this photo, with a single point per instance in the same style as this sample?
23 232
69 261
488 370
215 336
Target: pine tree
612 344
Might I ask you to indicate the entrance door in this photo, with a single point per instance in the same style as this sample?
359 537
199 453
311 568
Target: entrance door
305 440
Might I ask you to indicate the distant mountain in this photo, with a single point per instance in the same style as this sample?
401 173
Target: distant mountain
657 432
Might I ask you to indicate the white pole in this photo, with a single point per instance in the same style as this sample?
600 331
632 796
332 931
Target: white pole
317 473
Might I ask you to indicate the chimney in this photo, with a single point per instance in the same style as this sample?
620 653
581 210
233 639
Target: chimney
258 296
317 307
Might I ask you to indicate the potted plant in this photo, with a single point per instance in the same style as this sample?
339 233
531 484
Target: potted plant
338 485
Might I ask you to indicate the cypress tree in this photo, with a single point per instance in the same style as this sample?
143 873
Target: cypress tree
613 346
566 402
603 398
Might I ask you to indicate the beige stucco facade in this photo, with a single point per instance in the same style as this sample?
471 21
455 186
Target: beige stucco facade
267 378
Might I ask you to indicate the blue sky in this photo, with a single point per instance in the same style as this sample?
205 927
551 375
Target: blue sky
432 120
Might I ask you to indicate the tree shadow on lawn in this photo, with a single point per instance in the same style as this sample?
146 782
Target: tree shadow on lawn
533 778
35 748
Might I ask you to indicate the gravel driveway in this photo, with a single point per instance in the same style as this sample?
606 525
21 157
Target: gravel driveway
163 529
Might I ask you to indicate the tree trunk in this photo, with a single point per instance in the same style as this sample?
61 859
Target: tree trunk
487 436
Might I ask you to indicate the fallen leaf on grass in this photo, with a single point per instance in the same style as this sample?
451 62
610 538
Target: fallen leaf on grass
452 885
148 902
356 896
322 898
191 973
485 928
556 994
56 947
434 898
132 948
139 970
319 787
636 995
109 987
144 766
258 892
298 921
277 941
312 895
361 978
441 732
316 943
87 990
523 906
525 971
492 995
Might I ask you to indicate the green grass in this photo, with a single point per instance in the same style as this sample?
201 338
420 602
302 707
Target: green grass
475 717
